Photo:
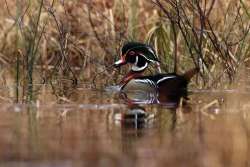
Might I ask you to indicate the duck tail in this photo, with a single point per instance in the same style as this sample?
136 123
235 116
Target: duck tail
190 73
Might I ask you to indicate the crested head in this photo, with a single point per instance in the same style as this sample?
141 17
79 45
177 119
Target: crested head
142 49
138 54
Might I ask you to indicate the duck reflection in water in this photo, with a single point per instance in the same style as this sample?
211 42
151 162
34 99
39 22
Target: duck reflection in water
139 116
135 117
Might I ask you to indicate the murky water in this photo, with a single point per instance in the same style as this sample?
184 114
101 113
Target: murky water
83 127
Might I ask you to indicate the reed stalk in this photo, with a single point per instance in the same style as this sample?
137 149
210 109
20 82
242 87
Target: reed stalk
33 43
17 45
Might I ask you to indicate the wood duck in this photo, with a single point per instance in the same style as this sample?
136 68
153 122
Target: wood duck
153 88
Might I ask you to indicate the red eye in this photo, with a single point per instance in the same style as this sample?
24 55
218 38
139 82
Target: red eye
131 53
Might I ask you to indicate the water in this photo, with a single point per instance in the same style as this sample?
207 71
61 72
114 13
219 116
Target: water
84 127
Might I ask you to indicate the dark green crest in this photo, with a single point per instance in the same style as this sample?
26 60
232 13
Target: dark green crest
144 50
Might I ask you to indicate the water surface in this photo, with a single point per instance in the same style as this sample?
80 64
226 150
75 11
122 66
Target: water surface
84 127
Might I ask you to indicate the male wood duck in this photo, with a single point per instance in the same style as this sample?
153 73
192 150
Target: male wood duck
162 87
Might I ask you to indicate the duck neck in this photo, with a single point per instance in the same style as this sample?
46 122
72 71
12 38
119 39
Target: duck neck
131 75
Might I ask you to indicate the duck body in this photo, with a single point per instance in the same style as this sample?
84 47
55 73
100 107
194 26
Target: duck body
159 82
159 88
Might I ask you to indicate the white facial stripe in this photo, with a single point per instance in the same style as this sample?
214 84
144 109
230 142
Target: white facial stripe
165 78
151 50
145 57
136 68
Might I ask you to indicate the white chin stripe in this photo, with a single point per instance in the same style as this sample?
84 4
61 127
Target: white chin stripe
136 68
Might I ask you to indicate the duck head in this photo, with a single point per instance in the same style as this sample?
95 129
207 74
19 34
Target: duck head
138 54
